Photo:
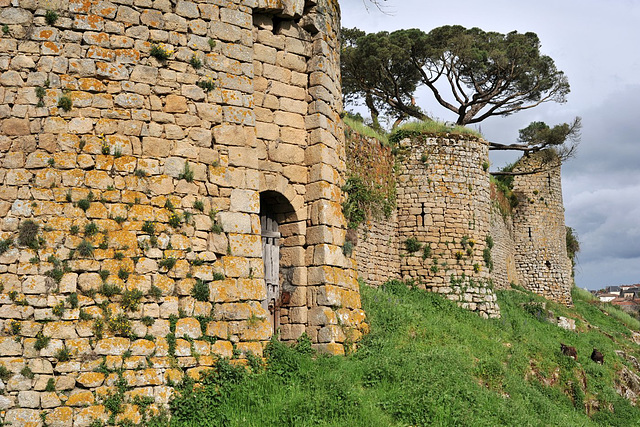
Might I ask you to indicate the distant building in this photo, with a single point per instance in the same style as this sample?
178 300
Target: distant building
607 297
629 305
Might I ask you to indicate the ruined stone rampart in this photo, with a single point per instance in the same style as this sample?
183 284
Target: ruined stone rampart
503 253
376 242
455 233
539 230
144 146
171 177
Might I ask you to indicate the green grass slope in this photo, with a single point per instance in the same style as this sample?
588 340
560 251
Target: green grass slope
428 362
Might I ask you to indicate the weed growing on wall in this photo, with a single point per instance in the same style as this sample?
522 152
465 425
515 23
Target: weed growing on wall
195 62
207 85
65 103
370 186
200 291
362 201
51 17
5 244
187 173
160 52
412 245
28 234
85 248
40 94
347 248
131 299
42 341
167 263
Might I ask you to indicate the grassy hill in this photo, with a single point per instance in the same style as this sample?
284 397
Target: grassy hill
428 362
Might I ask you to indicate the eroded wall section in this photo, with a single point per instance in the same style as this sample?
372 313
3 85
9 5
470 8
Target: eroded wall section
375 241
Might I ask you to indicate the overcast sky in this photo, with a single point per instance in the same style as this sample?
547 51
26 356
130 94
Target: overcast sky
597 44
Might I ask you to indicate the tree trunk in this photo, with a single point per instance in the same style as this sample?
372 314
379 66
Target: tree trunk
373 110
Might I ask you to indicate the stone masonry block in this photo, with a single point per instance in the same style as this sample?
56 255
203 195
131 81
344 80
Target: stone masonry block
321 316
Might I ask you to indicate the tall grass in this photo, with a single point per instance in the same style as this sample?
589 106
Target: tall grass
433 126
364 130
614 311
622 316
428 362
582 294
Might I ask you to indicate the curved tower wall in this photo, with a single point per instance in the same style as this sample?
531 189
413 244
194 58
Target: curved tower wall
443 212
540 233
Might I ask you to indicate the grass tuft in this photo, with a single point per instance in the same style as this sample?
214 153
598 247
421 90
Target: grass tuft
432 126
364 130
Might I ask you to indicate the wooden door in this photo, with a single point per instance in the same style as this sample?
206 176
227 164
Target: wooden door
271 259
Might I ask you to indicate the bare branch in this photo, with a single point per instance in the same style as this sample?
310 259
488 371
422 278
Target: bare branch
378 4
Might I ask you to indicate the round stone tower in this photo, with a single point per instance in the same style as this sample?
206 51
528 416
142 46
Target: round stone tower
443 218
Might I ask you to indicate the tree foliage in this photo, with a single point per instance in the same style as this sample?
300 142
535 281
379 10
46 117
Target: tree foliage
378 72
559 141
573 247
485 73
539 135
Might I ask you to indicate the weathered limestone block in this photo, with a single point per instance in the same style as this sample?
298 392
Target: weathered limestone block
62 330
61 416
35 285
15 126
22 417
91 379
319 316
112 346
80 398
189 327
49 399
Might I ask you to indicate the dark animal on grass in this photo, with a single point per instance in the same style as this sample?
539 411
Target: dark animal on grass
597 357
567 350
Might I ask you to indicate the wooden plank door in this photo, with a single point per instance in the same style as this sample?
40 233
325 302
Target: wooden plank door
271 259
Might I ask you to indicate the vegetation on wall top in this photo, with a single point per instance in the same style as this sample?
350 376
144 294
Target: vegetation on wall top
355 124
415 128
370 186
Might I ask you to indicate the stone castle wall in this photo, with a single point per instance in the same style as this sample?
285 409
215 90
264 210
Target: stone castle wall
443 218
377 252
539 230
455 233
503 253
376 249
133 186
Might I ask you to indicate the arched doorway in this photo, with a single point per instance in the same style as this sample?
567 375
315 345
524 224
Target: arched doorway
278 221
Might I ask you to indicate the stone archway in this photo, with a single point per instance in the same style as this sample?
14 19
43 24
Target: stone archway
282 234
